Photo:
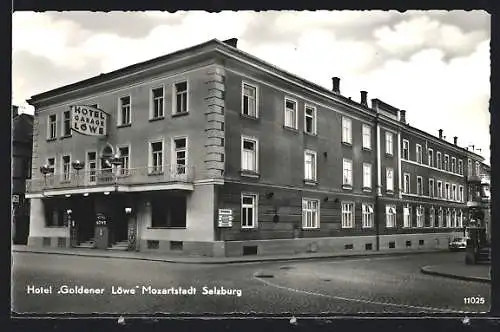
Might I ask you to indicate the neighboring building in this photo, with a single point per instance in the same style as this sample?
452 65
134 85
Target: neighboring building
219 153
22 143
478 202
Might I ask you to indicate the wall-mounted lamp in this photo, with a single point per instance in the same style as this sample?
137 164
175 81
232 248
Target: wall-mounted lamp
106 193
86 194
269 195
67 195
69 211
128 210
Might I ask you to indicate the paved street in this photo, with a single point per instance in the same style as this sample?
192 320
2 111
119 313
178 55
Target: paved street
347 285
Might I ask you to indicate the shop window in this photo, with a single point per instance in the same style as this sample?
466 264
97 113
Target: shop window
169 212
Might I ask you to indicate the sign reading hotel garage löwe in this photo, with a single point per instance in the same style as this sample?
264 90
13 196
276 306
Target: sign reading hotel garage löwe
89 120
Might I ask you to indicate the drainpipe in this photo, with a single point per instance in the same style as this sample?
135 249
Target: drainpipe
378 191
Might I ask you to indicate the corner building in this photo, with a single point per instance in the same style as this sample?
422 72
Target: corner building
211 151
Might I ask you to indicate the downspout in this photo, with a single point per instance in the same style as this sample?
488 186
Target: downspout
378 192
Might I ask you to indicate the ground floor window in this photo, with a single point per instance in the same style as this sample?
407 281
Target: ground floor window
448 218
367 215
168 211
248 210
440 218
420 216
54 215
407 216
390 216
431 217
460 219
310 213
347 215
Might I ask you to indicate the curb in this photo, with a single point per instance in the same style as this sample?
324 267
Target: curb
427 270
261 259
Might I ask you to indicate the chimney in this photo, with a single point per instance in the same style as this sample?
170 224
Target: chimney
231 42
455 140
364 100
15 111
402 116
336 85
440 133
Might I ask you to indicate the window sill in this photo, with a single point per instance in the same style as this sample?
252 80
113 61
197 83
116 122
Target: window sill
390 192
291 129
155 173
310 134
65 136
250 174
347 227
346 187
174 115
51 139
62 226
310 228
250 117
65 181
124 125
248 228
347 144
366 149
367 190
157 119
389 155
166 227
310 182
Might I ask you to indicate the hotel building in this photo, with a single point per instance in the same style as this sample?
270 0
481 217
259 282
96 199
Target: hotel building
212 151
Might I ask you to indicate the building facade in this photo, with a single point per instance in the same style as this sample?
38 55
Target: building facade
22 141
214 152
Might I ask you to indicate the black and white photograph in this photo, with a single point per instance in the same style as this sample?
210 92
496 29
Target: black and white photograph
250 162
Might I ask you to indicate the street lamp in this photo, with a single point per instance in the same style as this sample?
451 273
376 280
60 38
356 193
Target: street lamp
78 165
46 169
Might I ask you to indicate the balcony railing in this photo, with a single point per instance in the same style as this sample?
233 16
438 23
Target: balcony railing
109 177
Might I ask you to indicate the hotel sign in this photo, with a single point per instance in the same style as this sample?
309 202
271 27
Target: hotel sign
88 120
225 218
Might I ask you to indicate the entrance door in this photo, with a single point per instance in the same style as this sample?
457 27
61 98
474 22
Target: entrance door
84 217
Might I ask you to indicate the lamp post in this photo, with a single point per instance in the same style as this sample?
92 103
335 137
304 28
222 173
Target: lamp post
78 165
45 170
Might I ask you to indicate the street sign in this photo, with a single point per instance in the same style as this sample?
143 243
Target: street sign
15 198
225 218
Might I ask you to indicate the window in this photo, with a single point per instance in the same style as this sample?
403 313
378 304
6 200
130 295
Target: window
438 161
460 219
249 154
407 216
420 186
249 100
432 216
440 217
454 221
347 215
248 210
290 113
180 103
420 216
367 176
347 175
51 162
461 194
446 164
440 189
406 150
66 123
431 188
310 165
156 157
124 154
91 166
406 183
460 167
346 130
469 167
454 195
390 216
66 163
367 215
430 158
180 155
478 172
54 215
124 111
52 127
419 153
448 218
367 137
453 165
388 143
158 103
389 178
310 120
447 193
168 211
310 213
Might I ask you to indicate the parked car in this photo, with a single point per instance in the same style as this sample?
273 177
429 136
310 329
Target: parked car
458 243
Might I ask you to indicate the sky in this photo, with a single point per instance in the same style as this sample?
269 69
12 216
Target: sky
433 64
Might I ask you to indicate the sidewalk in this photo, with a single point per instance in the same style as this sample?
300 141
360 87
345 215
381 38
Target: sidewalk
461 271
170 258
